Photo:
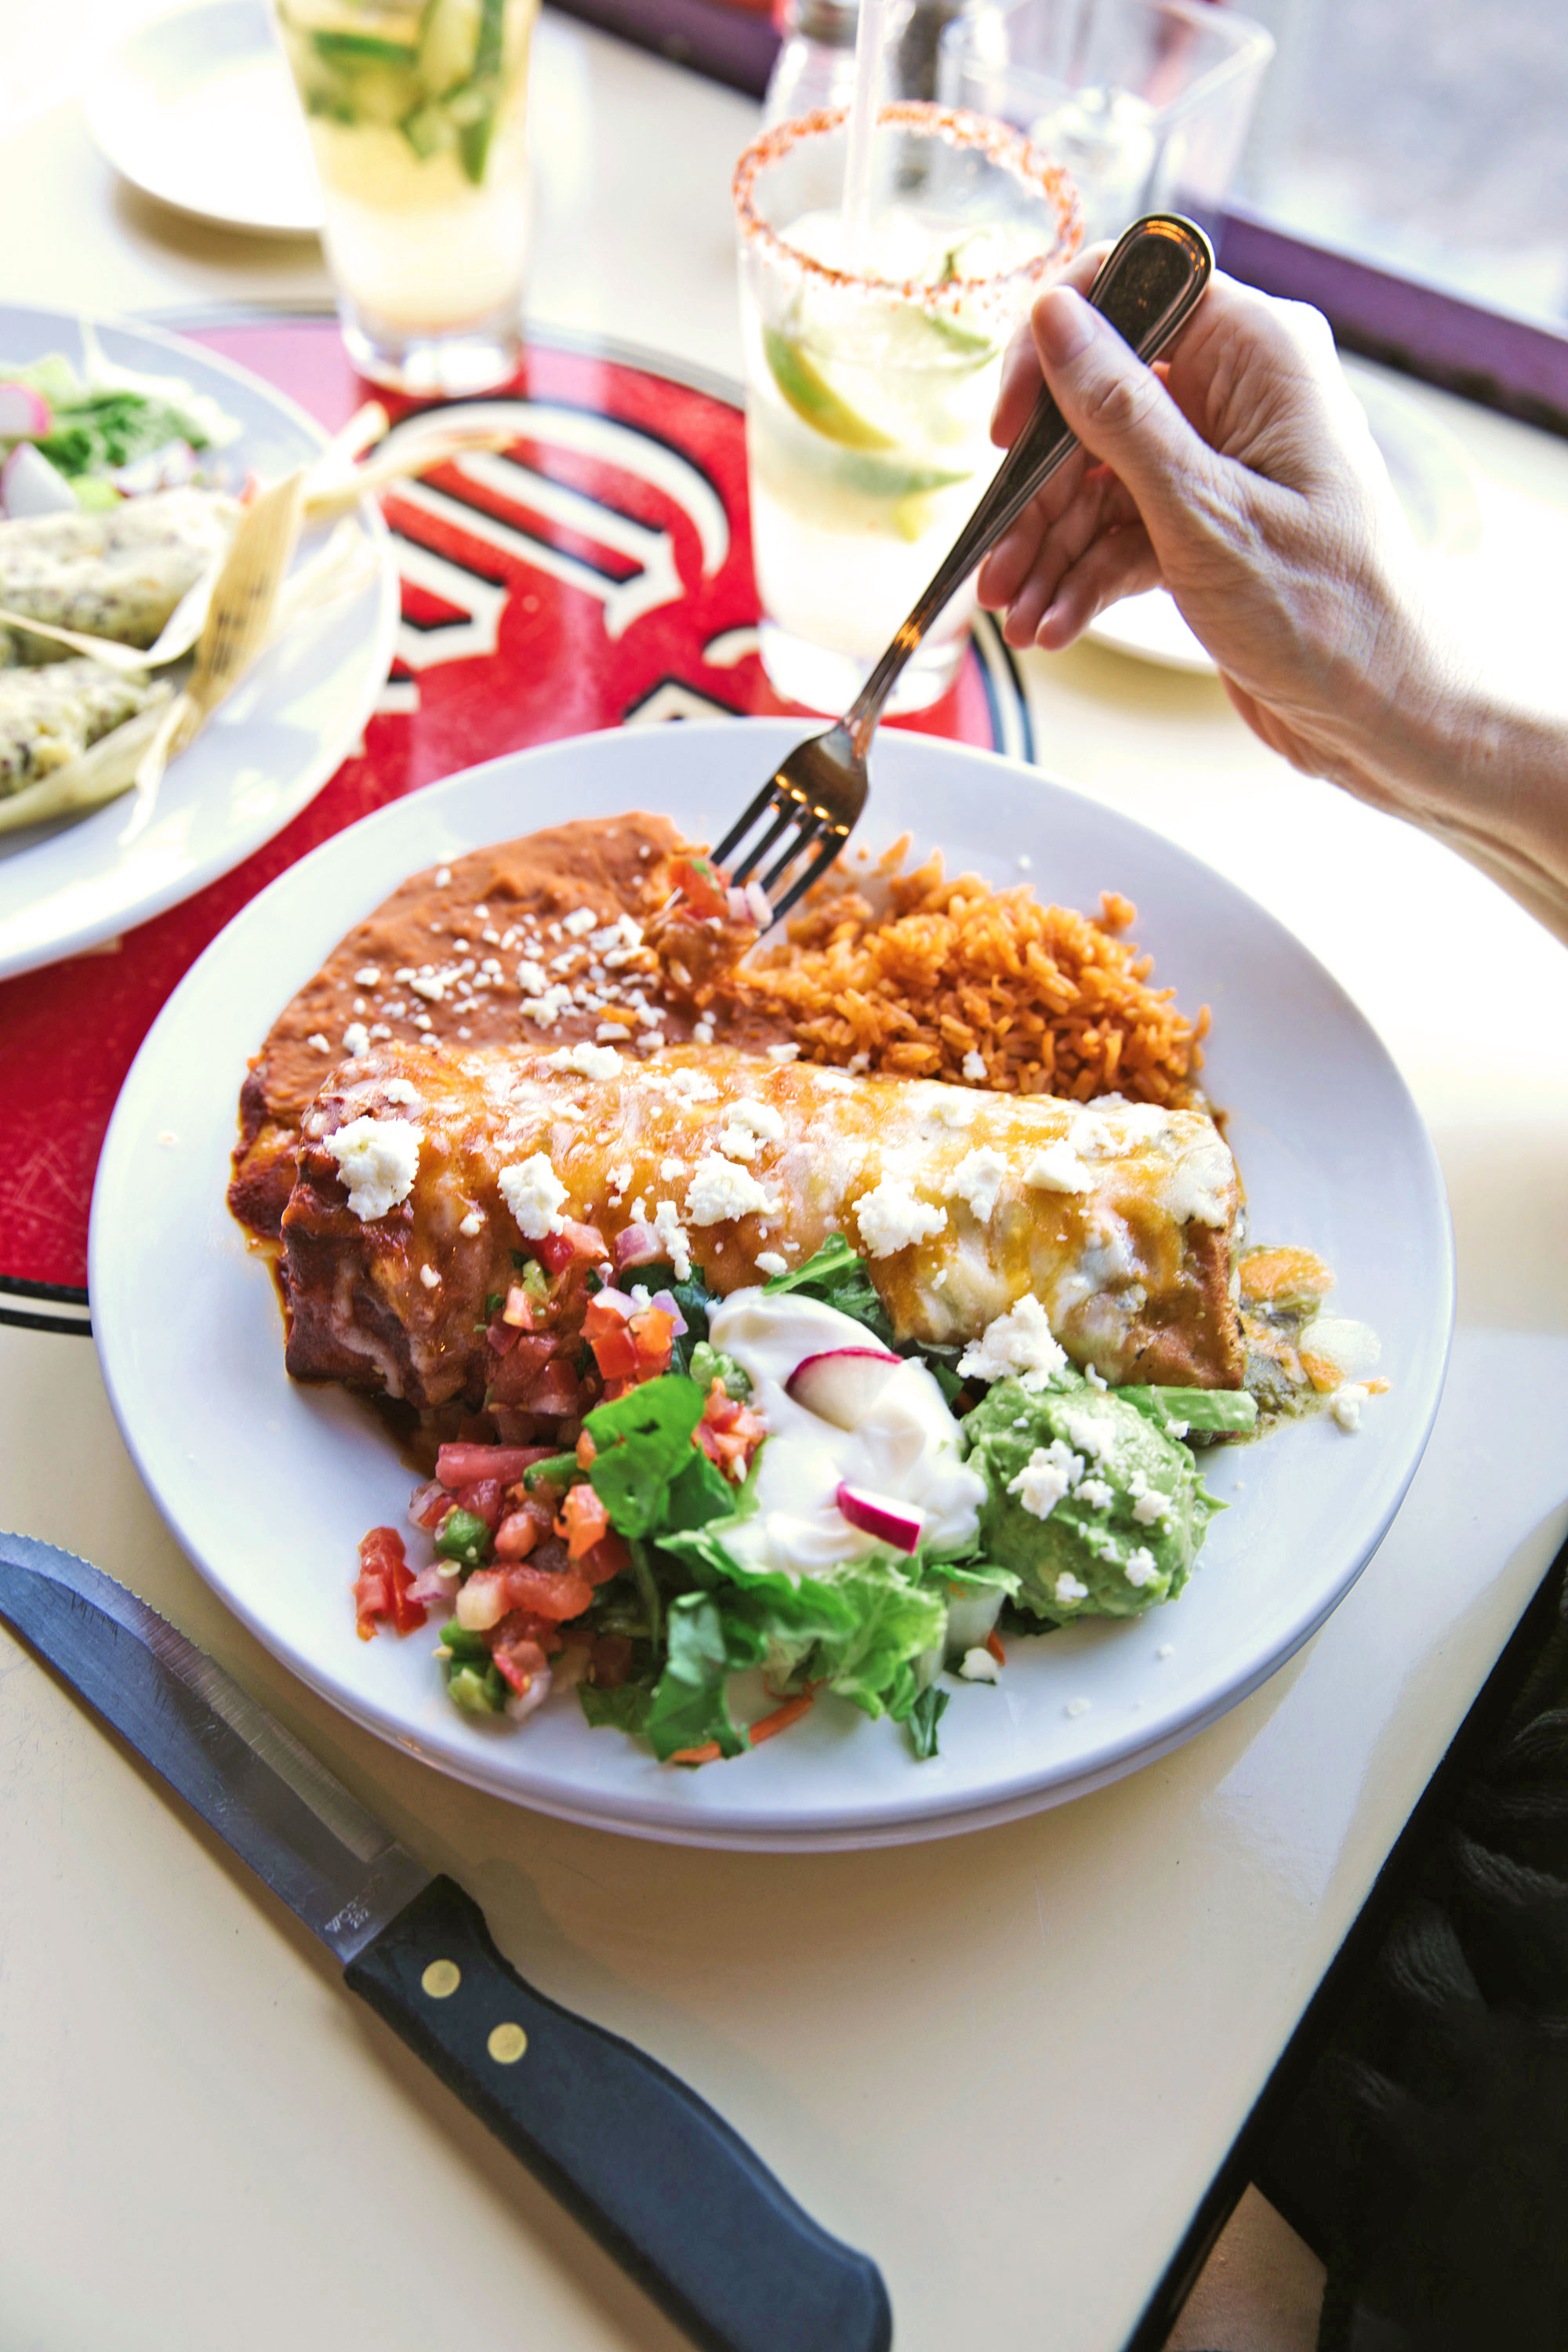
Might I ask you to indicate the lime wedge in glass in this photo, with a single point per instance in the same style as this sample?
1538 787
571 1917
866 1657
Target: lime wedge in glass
813 398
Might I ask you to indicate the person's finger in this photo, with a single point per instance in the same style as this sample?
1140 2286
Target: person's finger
1118 408
1007 565
1118 563
1100 505
1020 385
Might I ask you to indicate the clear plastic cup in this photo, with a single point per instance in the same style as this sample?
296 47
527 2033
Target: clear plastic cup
869 389
417 115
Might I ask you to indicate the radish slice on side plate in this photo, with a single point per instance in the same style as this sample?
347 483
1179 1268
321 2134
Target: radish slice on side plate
891 1522
25 414
842 1384
29 485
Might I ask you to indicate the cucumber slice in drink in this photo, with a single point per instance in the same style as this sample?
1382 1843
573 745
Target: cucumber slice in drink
428 129
350 52
448 43
813 400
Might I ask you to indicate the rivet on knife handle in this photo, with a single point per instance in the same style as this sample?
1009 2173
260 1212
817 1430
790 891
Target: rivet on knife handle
647 2166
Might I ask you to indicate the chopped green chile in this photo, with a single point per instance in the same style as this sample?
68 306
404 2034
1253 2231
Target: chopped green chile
463 1537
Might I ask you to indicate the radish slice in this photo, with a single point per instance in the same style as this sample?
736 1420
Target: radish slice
162 469
25 414
29 485
842 1384
891 1522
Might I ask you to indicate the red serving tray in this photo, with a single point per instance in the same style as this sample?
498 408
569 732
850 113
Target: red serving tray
608 583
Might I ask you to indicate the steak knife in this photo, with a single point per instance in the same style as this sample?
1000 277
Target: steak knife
665 2185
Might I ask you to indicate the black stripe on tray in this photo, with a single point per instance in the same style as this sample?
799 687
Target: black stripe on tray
37 1306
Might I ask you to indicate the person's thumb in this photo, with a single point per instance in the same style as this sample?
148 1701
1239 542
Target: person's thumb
1118 408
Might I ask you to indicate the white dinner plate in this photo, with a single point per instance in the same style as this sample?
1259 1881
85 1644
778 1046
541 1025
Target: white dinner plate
197 109
270 1486
265 752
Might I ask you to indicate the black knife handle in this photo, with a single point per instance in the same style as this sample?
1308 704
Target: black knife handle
661 2182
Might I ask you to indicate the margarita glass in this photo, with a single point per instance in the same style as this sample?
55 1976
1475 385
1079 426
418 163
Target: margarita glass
869 388
418 116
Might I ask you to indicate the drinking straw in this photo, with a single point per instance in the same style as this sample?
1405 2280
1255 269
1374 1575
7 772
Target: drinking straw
869 38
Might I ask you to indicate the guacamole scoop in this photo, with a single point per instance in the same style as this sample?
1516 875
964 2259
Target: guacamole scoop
1095 1507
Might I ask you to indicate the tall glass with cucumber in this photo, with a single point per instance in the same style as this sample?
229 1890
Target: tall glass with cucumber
871 374
418 114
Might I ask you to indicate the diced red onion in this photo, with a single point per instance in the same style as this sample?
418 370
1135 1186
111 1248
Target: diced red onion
616 1298
757 904
429 1504
431 1585
736 905
637 1245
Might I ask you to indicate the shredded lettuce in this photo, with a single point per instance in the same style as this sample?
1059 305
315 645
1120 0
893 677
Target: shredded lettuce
924 1715
643 1448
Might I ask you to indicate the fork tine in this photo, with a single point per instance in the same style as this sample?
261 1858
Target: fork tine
814 873
765 801
746 867
809 835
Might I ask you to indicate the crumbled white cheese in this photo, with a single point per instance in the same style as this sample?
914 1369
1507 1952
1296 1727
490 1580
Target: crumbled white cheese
429 1278
1059 1169
1025 861
1093 1138
890 1217
368 976
1166 1650
956 1109
832 1082
1346 1403
670 1169
702 1033
400 1090
669 1230
978 1666
377 1160
356 1039
1142 1567
321 1045
738 1143
695 1085
1095 1493
770 1263
474 1222
977 1179
534 1193
590 1061
1149 1504
1017 1343
1069 1590
720 1190
760 1116
1089 1432
432 990
422 1021
1076 1707
1051 1471
532 978
443 876
581 919
1198 1189
974 1066
783 1053
1093 1378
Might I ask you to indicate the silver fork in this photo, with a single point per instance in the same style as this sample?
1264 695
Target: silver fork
1147 288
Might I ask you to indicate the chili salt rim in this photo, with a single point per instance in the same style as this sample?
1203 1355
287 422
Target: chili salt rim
1009 149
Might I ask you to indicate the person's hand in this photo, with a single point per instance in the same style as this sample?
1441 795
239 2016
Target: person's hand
1241 475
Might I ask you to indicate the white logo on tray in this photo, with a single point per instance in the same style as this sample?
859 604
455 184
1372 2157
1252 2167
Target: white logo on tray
528 498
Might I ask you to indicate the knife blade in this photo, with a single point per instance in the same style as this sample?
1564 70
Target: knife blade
666 2186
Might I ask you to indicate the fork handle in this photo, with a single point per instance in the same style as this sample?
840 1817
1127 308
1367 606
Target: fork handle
1148 288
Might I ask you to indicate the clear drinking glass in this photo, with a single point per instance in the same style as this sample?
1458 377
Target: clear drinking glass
1147 102
417 115
869 389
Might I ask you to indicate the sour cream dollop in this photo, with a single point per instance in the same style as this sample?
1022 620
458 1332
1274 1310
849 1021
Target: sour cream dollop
906 1446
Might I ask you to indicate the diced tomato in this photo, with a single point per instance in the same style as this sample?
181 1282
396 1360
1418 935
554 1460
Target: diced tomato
382 1587
552 1595
482 1497
516 1535
699 886
584 1520
519 1663
615 1351
587 1451
519 1308
518 1371
611 1662
460 1465
429 1504
727 1433
555 1393
574 1244
501 1335
608 1559
654 1333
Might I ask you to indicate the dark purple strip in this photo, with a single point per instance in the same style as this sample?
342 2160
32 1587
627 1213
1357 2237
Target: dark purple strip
729 44
1502 361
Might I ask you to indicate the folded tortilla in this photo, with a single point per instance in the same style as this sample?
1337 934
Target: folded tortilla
116 572
425 1176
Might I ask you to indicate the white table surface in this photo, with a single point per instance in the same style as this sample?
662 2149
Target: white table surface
1006 2065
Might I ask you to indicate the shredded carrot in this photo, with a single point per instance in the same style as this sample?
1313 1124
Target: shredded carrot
781 1717
994 1644
709 1753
